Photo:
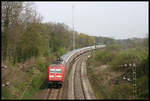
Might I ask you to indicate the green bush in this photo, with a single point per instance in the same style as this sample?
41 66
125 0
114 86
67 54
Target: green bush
121 58
123 91
41 63
6 93
29 93
46 53
143 68
104 56
142 87
21 85
41 67
33 88
114 47
61 51
35 83
114 94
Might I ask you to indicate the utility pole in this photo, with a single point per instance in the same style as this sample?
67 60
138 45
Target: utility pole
73 35
95 45
134 80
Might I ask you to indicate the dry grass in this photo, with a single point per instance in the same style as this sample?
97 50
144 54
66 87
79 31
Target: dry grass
19 76
107 83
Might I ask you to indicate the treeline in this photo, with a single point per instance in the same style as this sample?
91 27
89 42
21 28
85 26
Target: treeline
134 42
104 40
24 35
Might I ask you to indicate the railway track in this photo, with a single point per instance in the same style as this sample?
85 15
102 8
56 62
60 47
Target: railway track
79 87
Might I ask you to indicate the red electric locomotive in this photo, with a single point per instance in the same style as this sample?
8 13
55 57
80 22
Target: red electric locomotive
56 75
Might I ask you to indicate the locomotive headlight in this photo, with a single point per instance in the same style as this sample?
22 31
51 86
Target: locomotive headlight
58 76
51 76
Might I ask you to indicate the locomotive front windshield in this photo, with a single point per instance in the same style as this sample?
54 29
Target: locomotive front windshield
55 70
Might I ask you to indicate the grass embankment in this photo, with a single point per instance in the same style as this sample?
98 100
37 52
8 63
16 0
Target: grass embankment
25 78
108 82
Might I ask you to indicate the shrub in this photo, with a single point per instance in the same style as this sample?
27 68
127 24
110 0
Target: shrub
121 58
35 83
114 47
6 93
122 91
61 51
104 56
142 87
41 63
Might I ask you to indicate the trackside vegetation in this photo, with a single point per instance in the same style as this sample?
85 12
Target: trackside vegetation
116 80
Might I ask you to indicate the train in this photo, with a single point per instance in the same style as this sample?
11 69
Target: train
56 70
56 74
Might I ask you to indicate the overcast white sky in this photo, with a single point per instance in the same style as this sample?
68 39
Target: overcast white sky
119 20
